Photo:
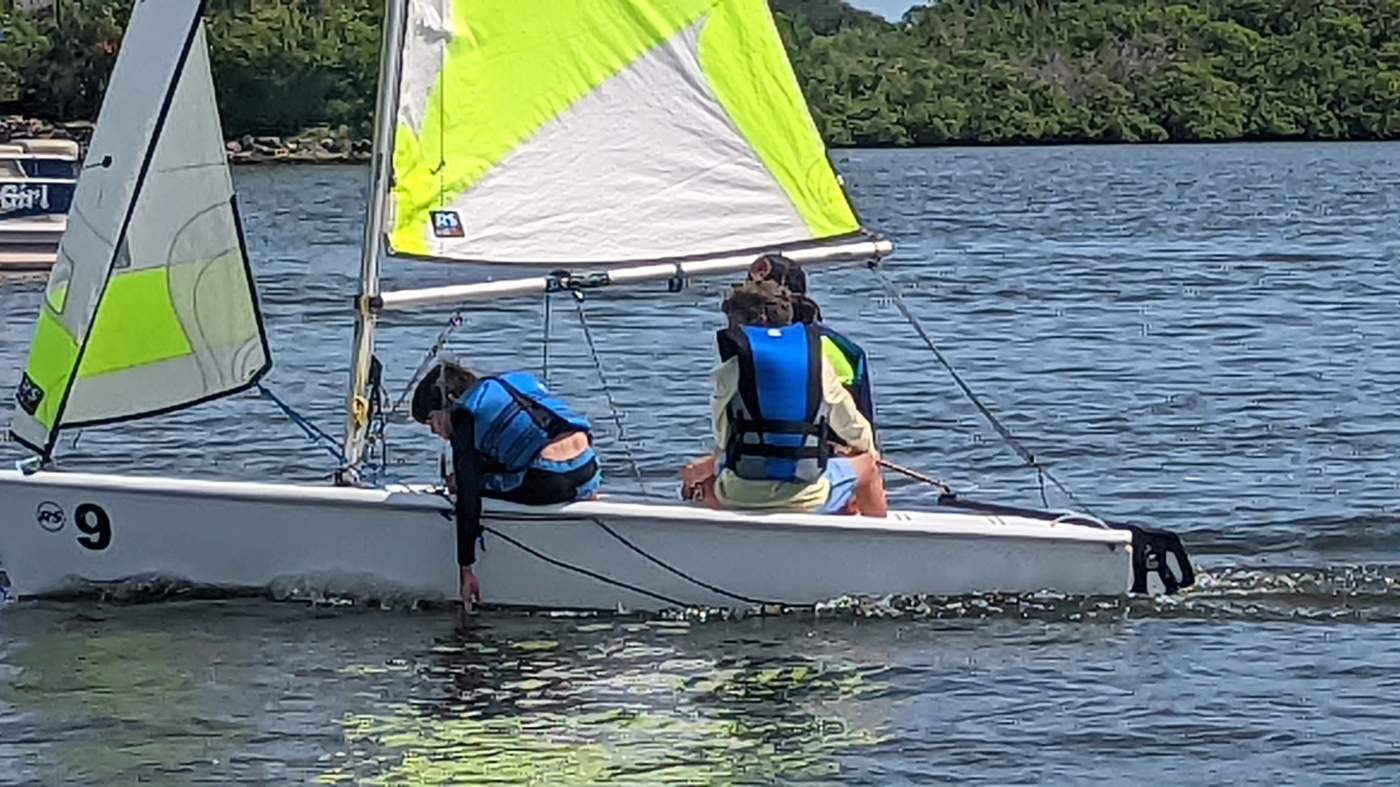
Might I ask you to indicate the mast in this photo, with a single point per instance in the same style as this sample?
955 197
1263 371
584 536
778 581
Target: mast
385 114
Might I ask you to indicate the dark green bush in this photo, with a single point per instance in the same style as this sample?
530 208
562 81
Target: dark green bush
959 71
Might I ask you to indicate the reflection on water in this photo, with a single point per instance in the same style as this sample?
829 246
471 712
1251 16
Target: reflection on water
609 702
116 701
114 707
247 691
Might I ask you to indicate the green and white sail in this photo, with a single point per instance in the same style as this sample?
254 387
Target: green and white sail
598 131
150 306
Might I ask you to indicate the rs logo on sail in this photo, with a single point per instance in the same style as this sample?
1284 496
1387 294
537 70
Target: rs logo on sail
15 197
29 395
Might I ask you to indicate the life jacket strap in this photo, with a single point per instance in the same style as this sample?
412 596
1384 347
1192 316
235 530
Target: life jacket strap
819 449
550 422
762 426
767 451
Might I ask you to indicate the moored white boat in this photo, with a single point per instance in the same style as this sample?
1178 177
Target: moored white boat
37 177
65 531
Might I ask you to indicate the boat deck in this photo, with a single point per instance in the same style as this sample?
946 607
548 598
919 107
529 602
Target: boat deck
30 245
939 522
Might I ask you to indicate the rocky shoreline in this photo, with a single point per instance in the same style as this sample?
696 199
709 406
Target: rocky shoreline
319 145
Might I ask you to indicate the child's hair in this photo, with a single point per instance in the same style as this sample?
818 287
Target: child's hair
788 274
440 387
759 303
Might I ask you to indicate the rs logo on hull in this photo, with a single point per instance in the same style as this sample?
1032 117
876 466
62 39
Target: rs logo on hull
93 523
50 517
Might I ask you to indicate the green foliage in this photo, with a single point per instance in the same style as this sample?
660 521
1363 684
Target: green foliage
20 46
72 56
1015 71
954 72
281 66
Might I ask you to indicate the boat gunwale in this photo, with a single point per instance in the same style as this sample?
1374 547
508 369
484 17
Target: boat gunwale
421 497
38 157
40 181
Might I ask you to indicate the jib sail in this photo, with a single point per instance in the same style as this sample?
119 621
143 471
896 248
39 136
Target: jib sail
151 305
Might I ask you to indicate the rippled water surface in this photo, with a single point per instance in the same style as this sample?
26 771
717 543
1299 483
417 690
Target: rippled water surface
1204 338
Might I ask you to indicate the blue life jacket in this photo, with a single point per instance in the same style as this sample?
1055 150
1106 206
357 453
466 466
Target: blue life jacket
860 386
778 421
514 418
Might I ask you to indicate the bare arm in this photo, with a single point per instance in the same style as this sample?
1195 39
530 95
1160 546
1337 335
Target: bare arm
726 386
846 419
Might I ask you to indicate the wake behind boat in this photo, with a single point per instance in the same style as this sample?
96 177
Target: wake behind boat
629 141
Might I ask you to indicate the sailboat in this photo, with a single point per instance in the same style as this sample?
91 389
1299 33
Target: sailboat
584 145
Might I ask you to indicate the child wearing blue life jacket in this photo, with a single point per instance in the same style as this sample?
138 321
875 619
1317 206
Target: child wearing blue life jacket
778 408
847 358
511 440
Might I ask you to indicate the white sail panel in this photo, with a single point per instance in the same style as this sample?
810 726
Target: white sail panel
603 131
151 306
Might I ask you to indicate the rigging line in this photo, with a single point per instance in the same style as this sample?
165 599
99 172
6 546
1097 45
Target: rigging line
313 432
379 423
652 559
948 497
916 475
548 313
607 393
996 424
688 578
586 572
457 321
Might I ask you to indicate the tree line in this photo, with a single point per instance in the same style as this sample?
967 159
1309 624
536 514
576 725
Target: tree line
954 72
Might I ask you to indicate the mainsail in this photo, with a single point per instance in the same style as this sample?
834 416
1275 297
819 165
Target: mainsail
603 131
150 306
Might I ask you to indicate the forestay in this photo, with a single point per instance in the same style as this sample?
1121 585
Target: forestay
603 131
150 306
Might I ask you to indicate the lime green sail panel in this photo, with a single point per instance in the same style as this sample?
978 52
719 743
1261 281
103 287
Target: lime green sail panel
603 131
150 306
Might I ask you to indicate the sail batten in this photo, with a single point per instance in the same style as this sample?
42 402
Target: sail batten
600 131
150 307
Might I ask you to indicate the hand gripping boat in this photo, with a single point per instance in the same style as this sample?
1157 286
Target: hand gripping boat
671 141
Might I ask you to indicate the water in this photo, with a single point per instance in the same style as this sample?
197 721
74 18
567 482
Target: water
1200 337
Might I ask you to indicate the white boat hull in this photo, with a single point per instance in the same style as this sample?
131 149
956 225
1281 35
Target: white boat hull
62 531
30 245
